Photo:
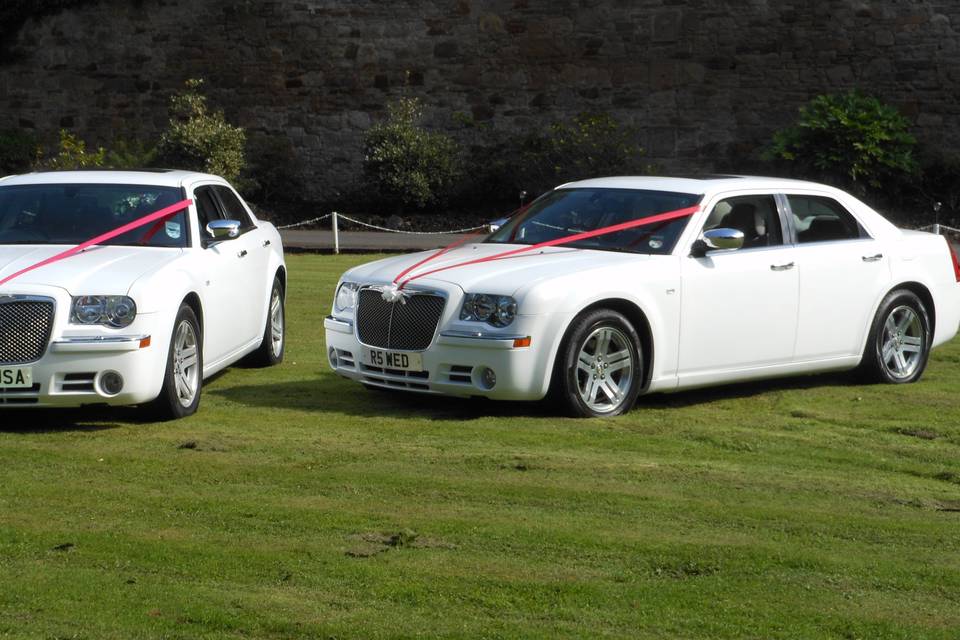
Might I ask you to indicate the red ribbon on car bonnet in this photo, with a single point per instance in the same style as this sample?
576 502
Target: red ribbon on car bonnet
156 216
623 226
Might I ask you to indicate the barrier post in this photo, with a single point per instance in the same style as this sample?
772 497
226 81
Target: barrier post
336 234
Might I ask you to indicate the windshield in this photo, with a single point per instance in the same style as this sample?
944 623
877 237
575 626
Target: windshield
565 212
74 213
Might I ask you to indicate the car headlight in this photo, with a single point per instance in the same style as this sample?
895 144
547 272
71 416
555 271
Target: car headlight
112 311
498 311
346 296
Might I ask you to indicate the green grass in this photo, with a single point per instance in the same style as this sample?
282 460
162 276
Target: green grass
296 504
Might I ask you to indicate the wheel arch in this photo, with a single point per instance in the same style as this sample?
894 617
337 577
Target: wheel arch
639 320
192 300
922 292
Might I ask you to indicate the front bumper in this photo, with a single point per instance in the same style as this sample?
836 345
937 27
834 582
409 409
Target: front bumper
453 365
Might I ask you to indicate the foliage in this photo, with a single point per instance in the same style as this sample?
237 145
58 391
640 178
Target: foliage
131 154
296 504
406 165
18 150
71 154
853 138
940 181
199 138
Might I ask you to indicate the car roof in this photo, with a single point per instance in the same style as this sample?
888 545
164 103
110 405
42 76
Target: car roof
154 177
707 183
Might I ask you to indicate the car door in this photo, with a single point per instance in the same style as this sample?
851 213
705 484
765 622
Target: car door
739 307
227 326
843 271
256 261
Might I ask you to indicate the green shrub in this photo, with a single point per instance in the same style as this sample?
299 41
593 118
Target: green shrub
131 154
850 138
71 154
406 165
18 150
273 173
940 181
199 138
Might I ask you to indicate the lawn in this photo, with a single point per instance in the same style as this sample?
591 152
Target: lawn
296 504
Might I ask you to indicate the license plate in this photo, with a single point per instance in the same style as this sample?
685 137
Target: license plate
392 359
16 378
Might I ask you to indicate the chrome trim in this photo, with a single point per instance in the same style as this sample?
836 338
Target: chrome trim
412 291
97 343
16 297
11 298
101 339
338 325
479 335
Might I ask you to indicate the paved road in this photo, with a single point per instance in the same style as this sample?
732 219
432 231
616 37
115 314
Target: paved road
352 241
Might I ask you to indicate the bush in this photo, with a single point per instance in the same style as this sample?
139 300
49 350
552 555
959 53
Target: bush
407 166
273 173
71 154
850 138
18 151
199 138
131 154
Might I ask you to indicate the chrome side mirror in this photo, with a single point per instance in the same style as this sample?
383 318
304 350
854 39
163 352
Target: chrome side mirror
223 229
496 224
723 238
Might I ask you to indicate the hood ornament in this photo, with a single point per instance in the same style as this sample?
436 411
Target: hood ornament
393 293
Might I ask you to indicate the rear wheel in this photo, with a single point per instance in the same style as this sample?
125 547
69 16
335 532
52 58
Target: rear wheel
899 343
183 376
600 365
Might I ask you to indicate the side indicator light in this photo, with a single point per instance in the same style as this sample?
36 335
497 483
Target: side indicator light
519 343
144 342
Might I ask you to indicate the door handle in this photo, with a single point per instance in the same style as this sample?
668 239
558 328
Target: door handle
875 258
266 243
242 254
782 267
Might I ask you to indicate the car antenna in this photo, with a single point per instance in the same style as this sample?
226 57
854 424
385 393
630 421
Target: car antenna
936 217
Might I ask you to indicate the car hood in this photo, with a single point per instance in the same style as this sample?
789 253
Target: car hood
96 271
502 276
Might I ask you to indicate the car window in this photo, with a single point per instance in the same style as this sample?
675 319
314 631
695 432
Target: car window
755 216
820 219
207 209
232 207
74 213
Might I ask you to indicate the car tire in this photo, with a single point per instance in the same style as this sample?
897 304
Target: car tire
898 345
599 366
272 346
183 375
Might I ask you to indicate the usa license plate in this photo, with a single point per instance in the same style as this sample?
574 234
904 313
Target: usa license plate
392 360
16 377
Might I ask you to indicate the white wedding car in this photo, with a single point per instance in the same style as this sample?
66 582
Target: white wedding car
143 317
767 277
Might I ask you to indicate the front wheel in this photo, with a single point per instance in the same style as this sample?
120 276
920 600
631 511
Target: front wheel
600 365
183 376
899 343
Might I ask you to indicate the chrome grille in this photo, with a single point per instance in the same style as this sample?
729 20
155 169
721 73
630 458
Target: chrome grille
407 326
25 326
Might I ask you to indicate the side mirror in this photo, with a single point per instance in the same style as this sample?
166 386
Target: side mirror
496 224
722 238
223 229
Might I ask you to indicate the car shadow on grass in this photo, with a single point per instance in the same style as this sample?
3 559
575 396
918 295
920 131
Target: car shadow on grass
342 396
31 421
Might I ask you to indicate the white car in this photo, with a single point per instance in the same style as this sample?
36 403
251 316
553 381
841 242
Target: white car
743 278
142 317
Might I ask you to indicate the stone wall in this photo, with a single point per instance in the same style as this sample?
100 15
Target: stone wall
704 81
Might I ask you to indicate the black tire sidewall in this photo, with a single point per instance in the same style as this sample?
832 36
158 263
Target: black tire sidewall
567 390
877 369
267 357
168 402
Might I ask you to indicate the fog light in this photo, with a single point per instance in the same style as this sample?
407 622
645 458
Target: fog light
488 379
111 383
334 360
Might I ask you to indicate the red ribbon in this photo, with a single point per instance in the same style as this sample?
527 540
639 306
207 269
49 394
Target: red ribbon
156 216
623 226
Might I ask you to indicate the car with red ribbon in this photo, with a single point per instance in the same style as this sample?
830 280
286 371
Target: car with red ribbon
131 287
603 290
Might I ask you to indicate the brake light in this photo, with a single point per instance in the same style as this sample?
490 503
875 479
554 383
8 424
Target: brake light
953 256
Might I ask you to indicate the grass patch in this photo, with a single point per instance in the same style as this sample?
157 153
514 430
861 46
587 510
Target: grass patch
298 505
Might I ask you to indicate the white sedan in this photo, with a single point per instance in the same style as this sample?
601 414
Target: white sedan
135 317
606 289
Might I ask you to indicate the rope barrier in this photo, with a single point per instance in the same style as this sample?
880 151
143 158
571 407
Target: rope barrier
304 223
940 227
378 228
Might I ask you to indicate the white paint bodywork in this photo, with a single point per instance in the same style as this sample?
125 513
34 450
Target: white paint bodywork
232 293
720 318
